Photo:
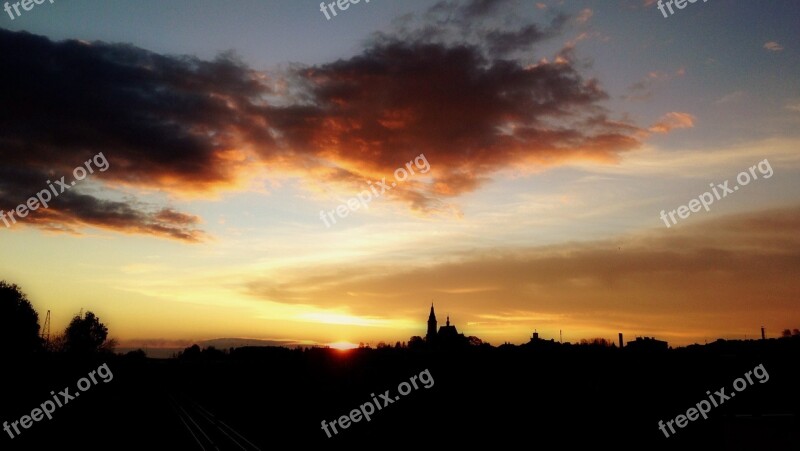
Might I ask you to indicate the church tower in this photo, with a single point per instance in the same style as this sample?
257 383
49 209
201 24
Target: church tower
431 335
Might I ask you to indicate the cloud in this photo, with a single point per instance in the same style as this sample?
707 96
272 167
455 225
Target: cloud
773 46
703 279
671 121
72 210
468 115
162 122
453 83
494 27
733 97
718 162
644 88
479 8
584 15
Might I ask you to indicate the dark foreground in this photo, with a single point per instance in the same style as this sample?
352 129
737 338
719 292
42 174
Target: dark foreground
491 398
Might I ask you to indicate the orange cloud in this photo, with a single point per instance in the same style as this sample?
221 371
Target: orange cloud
671 121
722 277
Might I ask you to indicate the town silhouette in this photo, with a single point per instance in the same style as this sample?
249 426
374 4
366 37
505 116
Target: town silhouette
544 391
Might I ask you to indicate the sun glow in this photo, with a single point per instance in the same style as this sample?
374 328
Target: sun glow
343 345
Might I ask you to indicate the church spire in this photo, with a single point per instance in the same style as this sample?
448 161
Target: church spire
431 335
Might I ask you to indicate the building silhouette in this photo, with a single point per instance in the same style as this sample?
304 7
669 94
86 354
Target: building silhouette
537 343
448 331
446 336
647 344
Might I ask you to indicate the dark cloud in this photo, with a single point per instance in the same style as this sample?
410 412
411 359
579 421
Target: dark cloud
162 122
184 126
495 27
507 41
469 115
71 209
70 100
478 8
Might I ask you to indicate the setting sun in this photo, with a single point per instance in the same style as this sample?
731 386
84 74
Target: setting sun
343 345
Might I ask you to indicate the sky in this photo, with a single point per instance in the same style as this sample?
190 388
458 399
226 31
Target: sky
532 146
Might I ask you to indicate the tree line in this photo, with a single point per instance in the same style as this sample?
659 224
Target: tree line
20 331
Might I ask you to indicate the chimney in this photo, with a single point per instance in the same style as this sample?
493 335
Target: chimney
762 333
620 340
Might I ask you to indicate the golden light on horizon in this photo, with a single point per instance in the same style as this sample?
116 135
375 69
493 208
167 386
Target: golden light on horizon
343 345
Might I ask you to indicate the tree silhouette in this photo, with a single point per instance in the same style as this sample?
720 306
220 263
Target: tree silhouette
137 355
596 342
57 342
416 342
191 353
19 322
85 335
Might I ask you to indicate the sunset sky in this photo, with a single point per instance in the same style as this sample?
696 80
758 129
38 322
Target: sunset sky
556 132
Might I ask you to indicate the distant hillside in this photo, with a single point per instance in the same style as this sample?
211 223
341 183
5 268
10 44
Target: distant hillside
225 343
219 343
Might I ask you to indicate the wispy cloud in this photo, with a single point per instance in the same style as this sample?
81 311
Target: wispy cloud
794 107
671 121
773 46
733 97
646 281
645 88
584 16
